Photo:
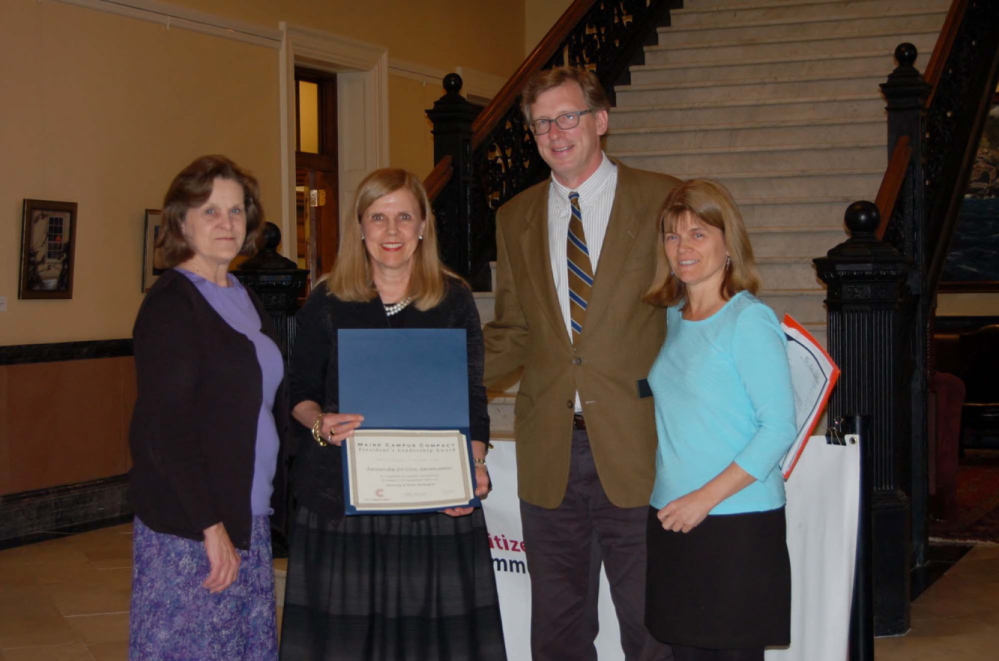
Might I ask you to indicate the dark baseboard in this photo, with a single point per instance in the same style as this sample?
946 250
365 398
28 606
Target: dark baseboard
42 514
61 351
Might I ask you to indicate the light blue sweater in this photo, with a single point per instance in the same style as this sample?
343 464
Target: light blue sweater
722 390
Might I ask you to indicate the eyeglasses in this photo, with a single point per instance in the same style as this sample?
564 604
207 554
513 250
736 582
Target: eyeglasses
565 121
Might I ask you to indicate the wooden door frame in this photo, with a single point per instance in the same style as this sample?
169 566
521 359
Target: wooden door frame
362 112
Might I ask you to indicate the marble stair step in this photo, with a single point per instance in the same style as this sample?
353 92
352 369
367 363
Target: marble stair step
805 305
787 273
792 184
846 108
703 91
800 212
837 22
700 13
879 62
762 160
795 242
745 134
789 47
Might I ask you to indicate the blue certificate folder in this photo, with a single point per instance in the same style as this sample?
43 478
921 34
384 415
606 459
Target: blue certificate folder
407 378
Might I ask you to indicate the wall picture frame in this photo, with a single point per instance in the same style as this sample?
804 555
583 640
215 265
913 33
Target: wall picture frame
152 230
48 244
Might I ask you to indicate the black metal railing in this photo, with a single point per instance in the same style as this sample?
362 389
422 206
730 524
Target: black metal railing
882 282
492 151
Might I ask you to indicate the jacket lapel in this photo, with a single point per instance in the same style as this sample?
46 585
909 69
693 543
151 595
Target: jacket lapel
622 229
534 242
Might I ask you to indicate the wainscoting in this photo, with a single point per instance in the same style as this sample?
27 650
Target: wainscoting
64 415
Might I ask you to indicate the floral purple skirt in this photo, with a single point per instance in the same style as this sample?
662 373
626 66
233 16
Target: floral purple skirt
174 618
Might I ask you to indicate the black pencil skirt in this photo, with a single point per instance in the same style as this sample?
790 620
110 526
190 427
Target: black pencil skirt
726 584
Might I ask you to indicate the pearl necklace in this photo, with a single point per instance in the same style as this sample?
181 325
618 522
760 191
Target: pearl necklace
396 308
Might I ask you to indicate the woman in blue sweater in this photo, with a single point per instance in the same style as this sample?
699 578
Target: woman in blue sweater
719 580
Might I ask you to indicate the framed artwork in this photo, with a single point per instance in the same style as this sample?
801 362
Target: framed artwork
149 271
973 262
48 239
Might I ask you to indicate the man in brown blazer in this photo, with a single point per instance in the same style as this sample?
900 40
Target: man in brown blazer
575 255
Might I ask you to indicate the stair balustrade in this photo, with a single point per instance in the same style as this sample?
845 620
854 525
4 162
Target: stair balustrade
882 282
492 153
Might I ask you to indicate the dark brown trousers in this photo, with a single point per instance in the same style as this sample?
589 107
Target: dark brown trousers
563 546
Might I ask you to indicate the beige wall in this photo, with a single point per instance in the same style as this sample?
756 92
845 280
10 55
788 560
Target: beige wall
967 305
103 110
540 16
481 34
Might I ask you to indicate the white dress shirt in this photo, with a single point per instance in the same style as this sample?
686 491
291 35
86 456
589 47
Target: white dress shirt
596 197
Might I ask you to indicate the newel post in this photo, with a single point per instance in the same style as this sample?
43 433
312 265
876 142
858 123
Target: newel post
452 117
867 293
278 282
906 93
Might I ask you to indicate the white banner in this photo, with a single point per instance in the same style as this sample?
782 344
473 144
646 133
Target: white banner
823 506
823 496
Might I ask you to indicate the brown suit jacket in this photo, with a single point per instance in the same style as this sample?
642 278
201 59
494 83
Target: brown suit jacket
621 337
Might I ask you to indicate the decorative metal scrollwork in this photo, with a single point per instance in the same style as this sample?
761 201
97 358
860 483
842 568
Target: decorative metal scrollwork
508 161
955 100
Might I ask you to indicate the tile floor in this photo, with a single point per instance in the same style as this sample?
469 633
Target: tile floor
67 600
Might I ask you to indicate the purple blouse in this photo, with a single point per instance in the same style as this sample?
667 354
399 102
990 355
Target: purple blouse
234 305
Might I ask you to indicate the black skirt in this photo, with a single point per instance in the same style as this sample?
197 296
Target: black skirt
412 587
726 584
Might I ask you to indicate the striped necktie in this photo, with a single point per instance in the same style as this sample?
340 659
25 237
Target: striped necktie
580 269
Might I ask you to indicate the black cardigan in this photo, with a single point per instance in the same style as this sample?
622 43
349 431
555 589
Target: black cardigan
317 472
194 427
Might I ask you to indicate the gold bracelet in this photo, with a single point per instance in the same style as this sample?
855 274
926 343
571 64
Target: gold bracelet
480 461
317 431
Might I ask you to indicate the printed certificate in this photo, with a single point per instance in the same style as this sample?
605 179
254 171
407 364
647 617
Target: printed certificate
399 470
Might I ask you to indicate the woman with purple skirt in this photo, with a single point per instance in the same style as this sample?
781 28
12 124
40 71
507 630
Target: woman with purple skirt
204 435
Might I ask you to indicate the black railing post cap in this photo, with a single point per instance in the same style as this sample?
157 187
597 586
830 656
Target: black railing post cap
905 54
862 219
453 83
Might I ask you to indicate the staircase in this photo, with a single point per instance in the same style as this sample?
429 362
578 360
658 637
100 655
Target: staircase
778 100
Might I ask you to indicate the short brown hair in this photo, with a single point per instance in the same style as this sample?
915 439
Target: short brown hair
545 80
190 189
351 277
713 204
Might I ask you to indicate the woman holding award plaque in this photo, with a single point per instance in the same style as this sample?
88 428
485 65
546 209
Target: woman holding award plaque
719 579
383 586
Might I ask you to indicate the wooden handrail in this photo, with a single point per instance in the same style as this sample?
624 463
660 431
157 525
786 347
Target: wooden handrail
891 185
941 50
491 114
438 177
507 96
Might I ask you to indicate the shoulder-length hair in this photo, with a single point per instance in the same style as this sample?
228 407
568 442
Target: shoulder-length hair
712 204
192 188
351 278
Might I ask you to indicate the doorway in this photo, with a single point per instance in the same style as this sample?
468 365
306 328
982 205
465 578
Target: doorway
316 180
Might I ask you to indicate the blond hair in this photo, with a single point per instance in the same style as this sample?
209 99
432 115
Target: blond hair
351 278
710 202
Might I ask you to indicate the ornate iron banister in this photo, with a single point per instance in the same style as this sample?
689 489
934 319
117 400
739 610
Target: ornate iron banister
933 128
539 57
494 157
944 45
